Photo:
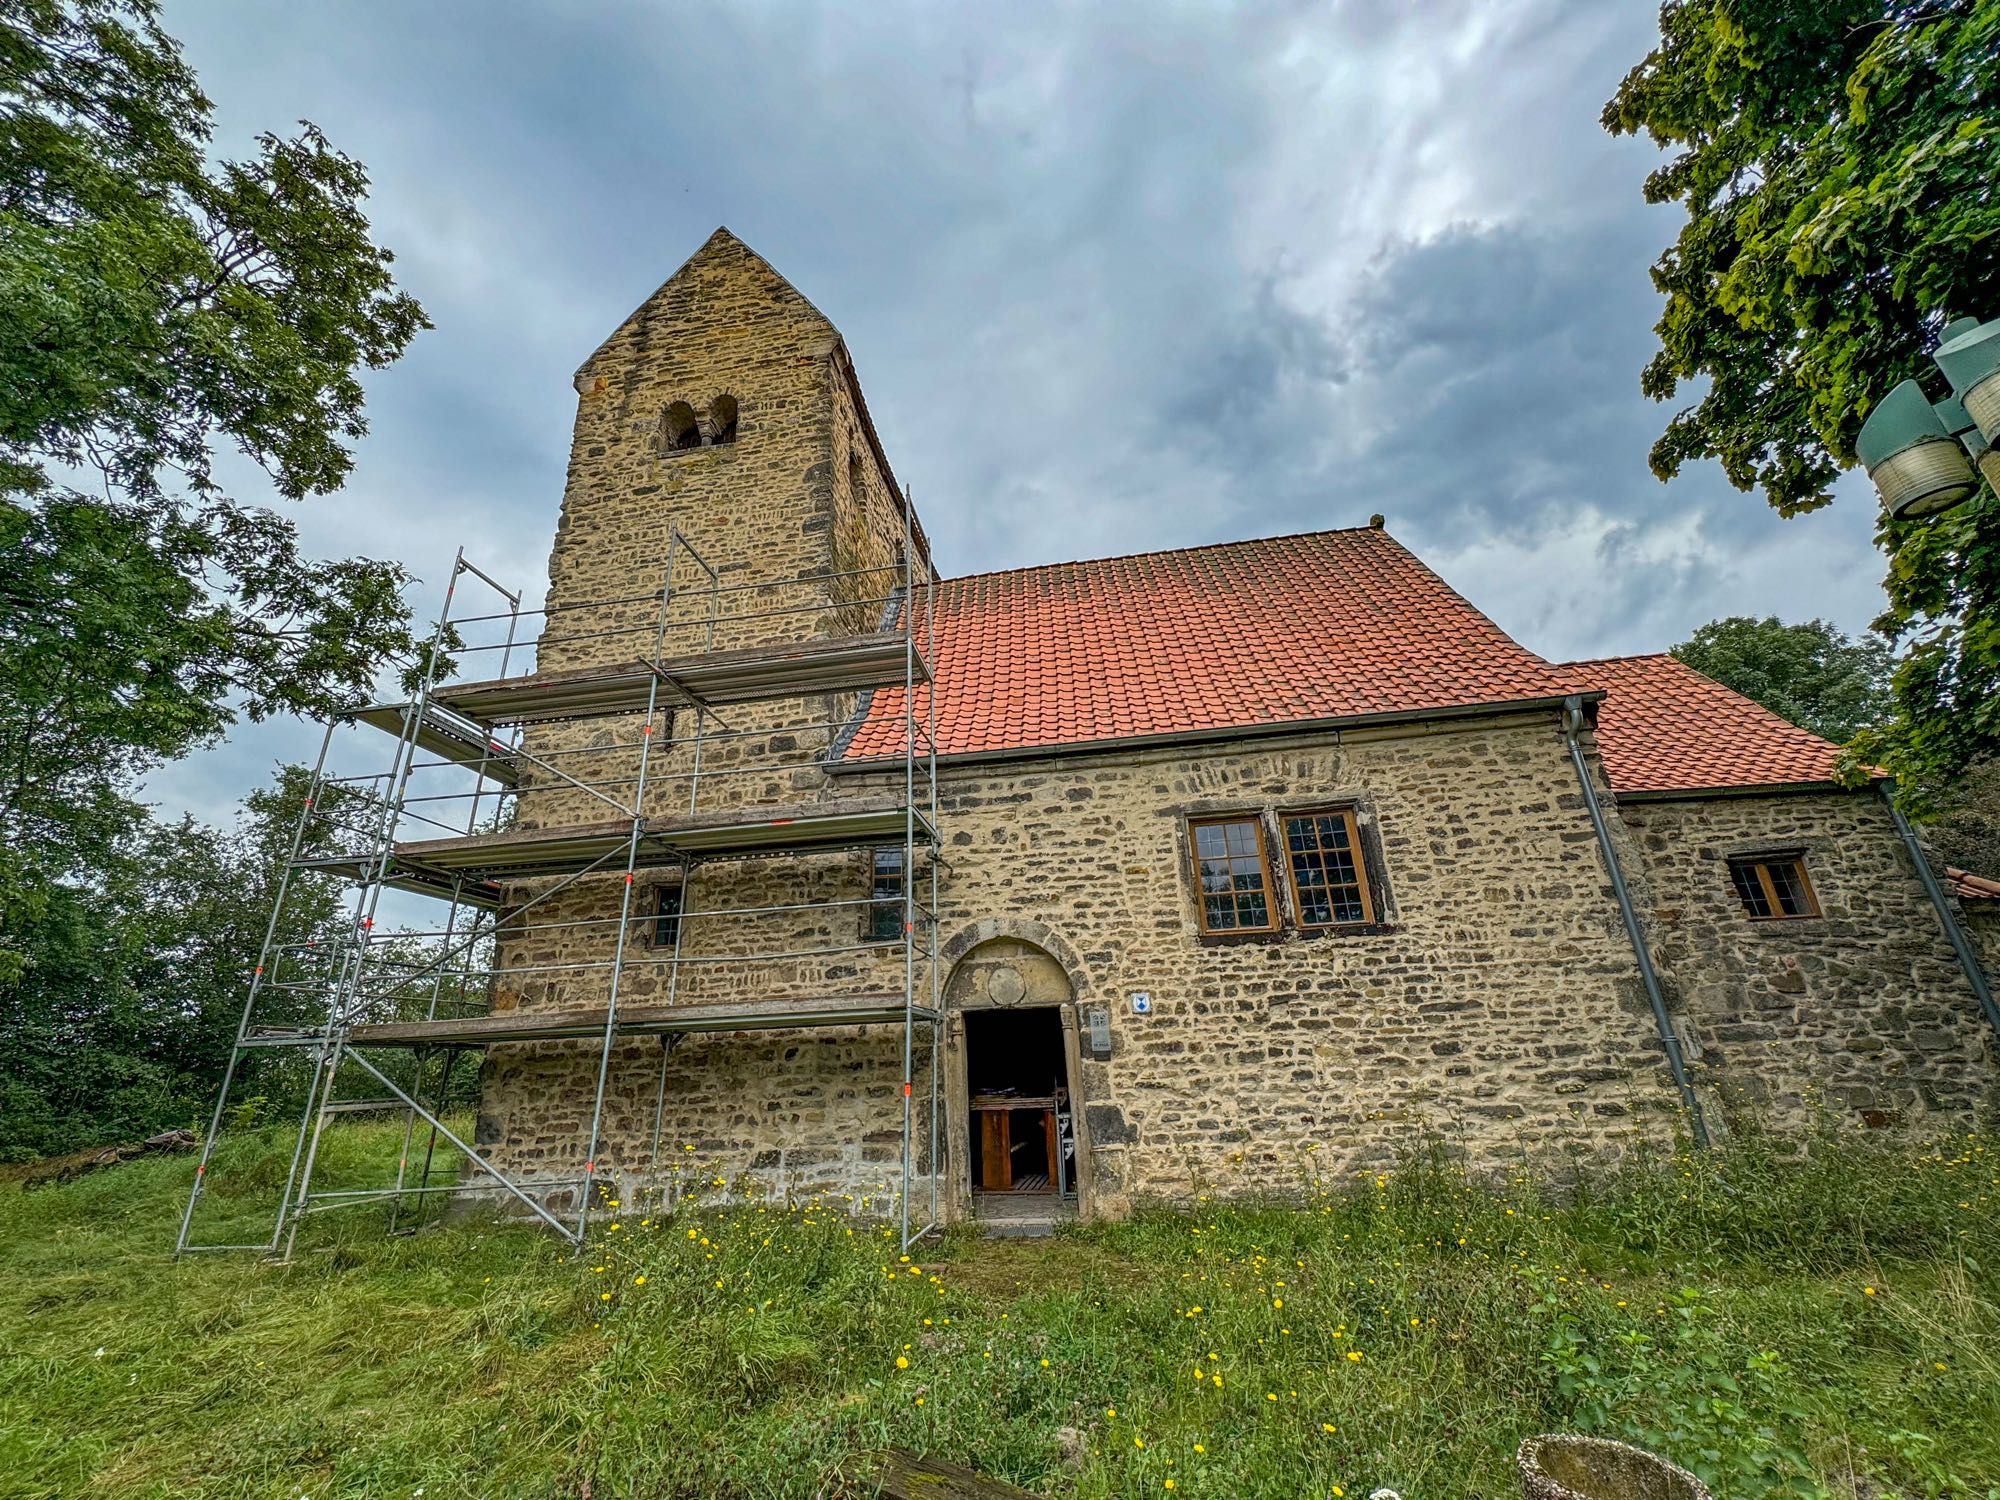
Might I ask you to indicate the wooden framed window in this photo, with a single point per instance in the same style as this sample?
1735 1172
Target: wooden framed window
885 890
1232 876
1773 887
666 915
1329 876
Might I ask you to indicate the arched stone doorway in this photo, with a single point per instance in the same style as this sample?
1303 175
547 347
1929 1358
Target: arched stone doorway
1017 1149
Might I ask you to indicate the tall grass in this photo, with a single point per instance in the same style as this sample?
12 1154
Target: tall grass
1819 1324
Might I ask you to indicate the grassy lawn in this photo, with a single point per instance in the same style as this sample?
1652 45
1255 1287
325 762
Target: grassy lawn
1824 1326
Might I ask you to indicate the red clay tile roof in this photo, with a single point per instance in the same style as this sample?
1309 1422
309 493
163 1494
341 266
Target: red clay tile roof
1663 727
1328 625
1970 887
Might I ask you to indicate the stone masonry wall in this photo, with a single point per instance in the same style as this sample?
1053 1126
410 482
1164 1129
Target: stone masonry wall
1981 921
1860 1015
788 515
1496 1002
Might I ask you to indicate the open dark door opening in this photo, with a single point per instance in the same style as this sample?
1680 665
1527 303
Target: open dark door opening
1022 1125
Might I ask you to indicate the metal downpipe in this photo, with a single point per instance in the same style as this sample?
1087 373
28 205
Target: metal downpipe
1676 1061
1975 975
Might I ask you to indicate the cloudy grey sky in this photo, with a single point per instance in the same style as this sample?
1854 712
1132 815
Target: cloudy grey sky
1115 276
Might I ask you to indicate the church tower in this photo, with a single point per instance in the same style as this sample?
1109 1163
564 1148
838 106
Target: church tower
728 510
725 408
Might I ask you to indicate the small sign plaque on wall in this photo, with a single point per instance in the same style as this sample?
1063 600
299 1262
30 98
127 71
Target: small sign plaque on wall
1142 1003
1097 1031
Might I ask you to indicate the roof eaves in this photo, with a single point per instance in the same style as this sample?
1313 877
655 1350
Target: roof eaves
1113 744
1722 790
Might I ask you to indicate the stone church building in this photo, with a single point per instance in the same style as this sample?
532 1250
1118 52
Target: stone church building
1244 862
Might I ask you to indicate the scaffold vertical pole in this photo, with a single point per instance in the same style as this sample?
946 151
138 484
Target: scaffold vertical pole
243 1021
666 1045
318 1113
687 873
622 932
349 978
909 864
937 995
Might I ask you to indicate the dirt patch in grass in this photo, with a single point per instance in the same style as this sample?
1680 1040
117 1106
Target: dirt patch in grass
1007 1270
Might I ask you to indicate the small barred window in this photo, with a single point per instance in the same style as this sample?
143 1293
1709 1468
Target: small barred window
885 913
1773 887
666 916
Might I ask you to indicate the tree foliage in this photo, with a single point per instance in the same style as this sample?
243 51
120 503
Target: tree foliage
1967 830
1812 674
157 305
1836 160
123 1006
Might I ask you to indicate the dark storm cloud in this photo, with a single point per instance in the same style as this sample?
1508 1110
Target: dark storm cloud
1115 277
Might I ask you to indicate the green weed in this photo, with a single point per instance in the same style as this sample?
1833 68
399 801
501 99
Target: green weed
1816 1321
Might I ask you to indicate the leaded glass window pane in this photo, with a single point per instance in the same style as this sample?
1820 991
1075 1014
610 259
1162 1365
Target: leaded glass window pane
1327 873
1229 867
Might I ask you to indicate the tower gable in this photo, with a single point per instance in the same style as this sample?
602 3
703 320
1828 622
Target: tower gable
725 407
723 283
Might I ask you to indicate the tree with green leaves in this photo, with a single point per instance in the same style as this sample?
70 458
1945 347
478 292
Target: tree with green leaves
157 305
125 1005
1812 674
1836 159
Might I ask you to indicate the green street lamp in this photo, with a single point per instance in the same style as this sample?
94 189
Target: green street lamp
1919 453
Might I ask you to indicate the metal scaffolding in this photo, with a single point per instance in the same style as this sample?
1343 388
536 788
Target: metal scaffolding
393 1011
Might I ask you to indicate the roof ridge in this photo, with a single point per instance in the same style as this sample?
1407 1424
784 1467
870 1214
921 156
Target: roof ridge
1248 541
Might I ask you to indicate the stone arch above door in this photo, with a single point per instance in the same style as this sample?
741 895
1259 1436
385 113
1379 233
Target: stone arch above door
1007 973
1021 934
